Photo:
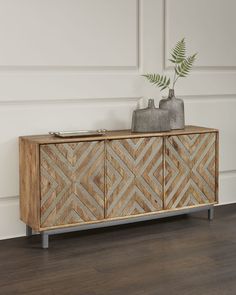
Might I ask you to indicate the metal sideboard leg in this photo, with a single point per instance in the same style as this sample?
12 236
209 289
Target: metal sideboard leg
211 213
45 240
28 231
45 234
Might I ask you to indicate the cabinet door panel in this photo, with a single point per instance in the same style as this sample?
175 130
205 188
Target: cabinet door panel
190 170
72 183
134 174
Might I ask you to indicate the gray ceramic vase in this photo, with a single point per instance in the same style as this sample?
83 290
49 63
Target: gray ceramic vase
175 106
150 119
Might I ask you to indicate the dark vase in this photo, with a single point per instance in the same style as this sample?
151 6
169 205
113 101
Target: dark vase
175 106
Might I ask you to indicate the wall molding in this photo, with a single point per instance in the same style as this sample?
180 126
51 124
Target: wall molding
195 68
8 200
207 68
70 101
207 97
228 173
164 35
87 69
196 97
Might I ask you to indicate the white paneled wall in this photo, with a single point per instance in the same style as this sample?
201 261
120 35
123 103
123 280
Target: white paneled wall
77 65
210 92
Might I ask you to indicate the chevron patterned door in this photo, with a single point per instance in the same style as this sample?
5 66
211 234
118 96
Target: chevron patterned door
190 169
72 183
134 176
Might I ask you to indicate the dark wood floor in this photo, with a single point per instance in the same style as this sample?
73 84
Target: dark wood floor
180 255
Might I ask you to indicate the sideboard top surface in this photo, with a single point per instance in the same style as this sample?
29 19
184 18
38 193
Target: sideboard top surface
114 134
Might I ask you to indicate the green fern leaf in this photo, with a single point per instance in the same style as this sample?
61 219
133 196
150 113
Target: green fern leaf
178 53
184 68
160 81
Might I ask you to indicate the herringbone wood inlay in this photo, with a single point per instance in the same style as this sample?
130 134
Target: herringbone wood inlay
190 170
72 183
134 174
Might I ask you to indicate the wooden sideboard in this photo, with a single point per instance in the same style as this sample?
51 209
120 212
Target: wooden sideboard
72 183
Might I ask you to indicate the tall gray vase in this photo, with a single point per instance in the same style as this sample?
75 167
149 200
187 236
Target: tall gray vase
175 106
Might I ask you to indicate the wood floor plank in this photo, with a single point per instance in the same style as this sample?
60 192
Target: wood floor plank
179 255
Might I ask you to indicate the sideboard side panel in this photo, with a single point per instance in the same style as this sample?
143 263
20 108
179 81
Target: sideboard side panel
217 167
190 170
134 176
29 183
72 183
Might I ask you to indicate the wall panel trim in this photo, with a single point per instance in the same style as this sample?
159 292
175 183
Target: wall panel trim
228 173
165 53
87 69
70 101
8 199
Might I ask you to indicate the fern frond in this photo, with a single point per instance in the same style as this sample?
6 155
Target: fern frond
178 53
160 81
184 68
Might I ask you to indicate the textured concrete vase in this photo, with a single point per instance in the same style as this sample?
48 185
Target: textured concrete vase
150 119
175 106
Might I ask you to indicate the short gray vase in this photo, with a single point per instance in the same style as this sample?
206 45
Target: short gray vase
150 119
175 106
